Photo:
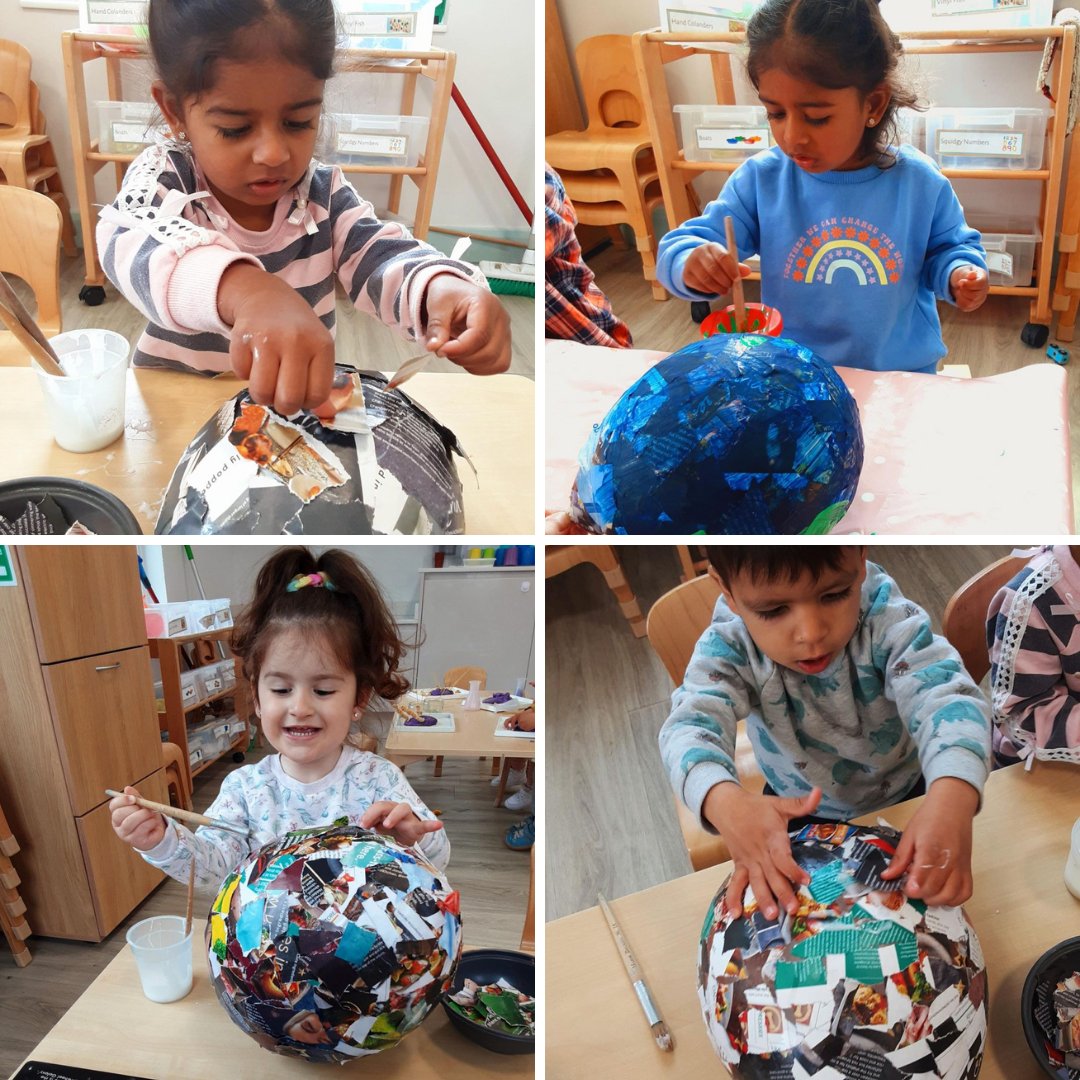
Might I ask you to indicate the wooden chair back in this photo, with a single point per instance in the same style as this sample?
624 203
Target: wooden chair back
609 82
675 623
30 228
16 116
462 676
528 931
964 621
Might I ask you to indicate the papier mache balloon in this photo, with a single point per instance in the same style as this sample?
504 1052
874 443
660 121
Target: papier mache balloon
736 433
861 982
382 465
333 943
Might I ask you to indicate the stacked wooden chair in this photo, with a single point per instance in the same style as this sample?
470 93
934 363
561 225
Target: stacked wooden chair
12 907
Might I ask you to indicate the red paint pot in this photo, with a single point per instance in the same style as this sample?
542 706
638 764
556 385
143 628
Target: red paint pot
760 319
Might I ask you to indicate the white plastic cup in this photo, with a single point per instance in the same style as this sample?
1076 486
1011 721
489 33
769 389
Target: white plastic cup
473 700
519 688
86 407
163 955
1072 864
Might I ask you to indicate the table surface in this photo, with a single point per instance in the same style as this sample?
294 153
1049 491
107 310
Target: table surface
492 417
113 1027
1020 908
940 452
474 736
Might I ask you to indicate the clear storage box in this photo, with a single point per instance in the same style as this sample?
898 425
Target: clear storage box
125 127
167 620
210 681
986 138
368 139
190 688
723 132
1010 248
222 612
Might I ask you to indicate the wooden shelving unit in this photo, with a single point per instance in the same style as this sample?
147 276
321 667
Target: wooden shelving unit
655 48
167 652
79 49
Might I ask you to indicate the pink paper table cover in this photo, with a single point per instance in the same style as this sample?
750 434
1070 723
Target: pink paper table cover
943 455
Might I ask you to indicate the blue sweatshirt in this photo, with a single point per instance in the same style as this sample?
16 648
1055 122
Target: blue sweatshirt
895 704
853 260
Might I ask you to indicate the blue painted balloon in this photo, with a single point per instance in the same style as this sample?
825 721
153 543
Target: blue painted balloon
736 433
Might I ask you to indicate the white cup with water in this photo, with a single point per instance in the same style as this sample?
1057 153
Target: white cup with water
86 406
163 956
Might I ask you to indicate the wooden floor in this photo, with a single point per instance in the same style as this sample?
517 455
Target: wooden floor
987 340
362 341
610 823
492 879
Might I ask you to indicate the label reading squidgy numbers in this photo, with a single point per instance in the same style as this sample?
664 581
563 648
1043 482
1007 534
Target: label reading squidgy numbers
386 145
380 24
1000 262
1009 144
748 140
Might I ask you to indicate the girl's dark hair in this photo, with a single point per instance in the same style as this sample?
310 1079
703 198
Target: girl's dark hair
188 37
776 562
352 618
837 44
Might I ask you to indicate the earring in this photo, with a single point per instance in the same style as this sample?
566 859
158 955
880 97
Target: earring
181 136
871 122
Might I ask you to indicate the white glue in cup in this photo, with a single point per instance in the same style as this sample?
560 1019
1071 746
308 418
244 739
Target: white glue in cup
163 955
86 408
1072 864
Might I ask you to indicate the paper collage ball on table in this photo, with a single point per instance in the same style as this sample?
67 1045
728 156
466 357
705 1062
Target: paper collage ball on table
332 944
737 433
383 465
861 982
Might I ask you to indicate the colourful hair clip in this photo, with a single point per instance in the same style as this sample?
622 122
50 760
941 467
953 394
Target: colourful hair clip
316 581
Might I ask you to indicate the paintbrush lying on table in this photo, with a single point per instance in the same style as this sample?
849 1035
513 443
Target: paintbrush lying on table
652 1014
186 816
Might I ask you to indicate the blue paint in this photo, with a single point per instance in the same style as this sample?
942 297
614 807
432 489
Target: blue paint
733 434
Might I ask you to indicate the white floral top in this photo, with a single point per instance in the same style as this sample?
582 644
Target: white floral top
263 799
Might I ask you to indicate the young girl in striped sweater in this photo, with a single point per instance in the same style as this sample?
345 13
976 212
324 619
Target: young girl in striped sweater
228 236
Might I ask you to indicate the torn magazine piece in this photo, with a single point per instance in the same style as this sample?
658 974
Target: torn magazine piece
860 983
333 943
383 465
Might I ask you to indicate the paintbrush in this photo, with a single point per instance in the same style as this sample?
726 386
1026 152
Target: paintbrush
408 370
21 323
652 1014
736 285
180 815
190 898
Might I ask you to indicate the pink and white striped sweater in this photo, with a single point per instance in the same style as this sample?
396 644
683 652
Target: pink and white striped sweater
1033 634
165 242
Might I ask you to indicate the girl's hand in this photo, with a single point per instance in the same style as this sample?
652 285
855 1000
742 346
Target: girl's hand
710 269
935 849
278 343
466 324
522 721
397 819
969 286
141 828
559 523
755 828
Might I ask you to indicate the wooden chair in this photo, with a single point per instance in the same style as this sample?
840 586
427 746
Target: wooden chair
528 931
12 907
50 184
693 561
560 558
676 621
964 621
462 676
176 776
30 229
616 144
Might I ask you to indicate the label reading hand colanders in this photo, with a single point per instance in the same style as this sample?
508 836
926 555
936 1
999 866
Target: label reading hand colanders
118 12
1007 144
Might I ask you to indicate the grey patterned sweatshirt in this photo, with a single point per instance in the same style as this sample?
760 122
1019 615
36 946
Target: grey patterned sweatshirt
896 703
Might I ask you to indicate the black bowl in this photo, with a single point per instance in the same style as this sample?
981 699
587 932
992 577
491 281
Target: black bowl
488 966
1054 964
97 509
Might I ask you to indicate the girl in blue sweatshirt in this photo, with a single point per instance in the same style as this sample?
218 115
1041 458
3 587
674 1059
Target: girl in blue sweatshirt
857 237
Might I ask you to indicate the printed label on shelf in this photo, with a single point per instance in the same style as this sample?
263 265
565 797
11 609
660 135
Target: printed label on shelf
212 685
118 12
177 626
971 7
361 143
1000 262
981 143
130 133
380 24
679 20
752 139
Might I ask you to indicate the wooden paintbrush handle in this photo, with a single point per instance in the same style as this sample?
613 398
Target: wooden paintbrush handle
174 812
628 960
29 342
44 351
737 284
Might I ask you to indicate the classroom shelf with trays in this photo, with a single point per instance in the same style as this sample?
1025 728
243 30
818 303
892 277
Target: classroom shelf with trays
655 48
182 692
435 65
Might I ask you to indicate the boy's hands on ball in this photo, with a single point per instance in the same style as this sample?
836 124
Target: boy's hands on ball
755 828
710 269
970 287
141 828
397 819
